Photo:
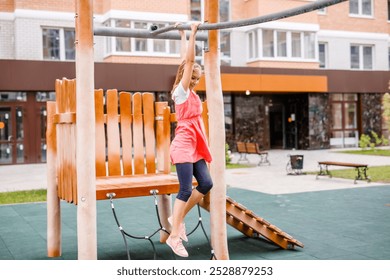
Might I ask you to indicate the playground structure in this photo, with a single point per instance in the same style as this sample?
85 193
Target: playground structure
79 173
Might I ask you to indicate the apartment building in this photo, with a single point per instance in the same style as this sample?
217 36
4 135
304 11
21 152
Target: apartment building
311 81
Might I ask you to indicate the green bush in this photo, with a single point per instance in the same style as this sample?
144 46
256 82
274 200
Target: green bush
228 155
364 141
372 142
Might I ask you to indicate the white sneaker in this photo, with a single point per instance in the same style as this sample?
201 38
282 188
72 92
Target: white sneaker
177 247
182 234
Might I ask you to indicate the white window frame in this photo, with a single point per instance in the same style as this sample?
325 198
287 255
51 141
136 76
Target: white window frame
253 45
61 35
325 55
361 56
133 52
289 56
388 54
360 10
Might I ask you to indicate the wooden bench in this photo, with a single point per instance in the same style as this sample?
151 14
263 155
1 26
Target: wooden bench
361 169
244 148
132 151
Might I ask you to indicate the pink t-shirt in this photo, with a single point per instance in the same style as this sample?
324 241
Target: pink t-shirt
190 143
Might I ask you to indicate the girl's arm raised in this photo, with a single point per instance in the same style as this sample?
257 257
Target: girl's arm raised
190 57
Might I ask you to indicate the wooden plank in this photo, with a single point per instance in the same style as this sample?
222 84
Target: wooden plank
58 89
138 138
251 148
136 185
205 117
100 137
241 147
346 164
113 142
159 109
167 139
150 140
72 144
126 134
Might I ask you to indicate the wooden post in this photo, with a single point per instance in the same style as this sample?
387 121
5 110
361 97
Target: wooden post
53 202
85 131
216 136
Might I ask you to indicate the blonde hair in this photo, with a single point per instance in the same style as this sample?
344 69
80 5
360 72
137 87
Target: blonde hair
179 74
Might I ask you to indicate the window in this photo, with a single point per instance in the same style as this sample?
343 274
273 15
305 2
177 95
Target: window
122 44
253 44
360 7
344 120
281 39
388 54
322 54
58 43
361 57
196 14
296 49
268 43
288 44
139 45
225 47
196 10
309 43
224 15
158 44
388 10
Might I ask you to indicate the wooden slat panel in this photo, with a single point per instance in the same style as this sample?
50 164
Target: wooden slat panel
205 117
73 172
58 88
159 108
66 141
138 139
167 139
150 140
127 138
100 138
113 142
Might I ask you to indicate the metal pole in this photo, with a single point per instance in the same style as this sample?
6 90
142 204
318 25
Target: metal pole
239 23
139 33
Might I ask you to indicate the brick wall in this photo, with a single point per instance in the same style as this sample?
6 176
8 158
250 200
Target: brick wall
153 6
28 39
7 5
254 8
7 49
339 13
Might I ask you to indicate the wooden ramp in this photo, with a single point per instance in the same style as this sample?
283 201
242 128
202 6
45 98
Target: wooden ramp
247 222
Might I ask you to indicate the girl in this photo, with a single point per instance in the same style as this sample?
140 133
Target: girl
189 150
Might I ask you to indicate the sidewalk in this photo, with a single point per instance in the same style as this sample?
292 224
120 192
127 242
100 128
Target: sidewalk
271 179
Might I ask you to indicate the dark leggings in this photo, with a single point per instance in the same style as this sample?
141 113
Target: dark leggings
199 170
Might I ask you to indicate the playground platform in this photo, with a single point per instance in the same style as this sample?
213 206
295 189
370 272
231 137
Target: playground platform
334 219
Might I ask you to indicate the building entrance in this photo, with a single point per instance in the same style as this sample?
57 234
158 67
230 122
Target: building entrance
22 128
276 126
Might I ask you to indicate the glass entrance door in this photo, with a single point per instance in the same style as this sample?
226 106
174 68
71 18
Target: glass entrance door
11 135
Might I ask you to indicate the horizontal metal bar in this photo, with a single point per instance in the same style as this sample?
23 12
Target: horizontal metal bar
140 33
245 22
